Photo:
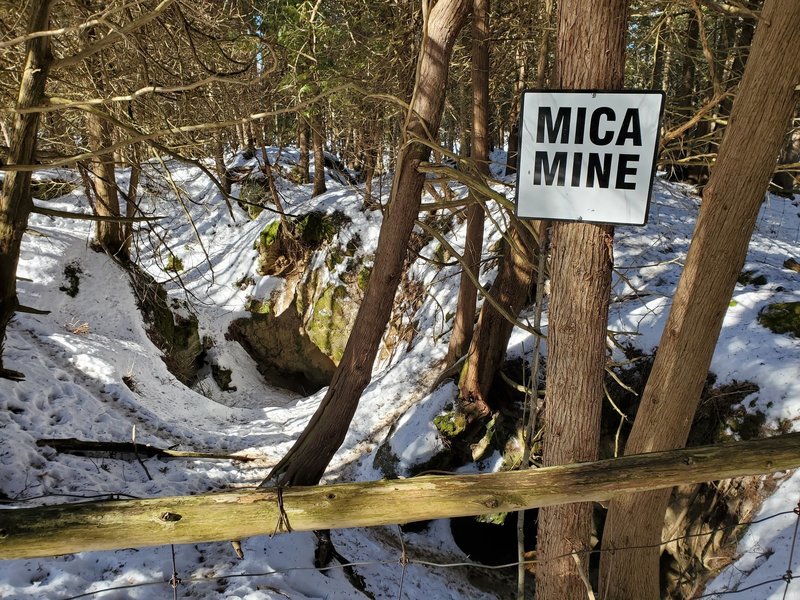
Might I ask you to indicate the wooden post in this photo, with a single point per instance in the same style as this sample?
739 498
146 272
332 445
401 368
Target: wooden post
108 525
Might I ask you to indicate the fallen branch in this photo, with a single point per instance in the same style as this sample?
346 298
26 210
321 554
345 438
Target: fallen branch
107 525
129 450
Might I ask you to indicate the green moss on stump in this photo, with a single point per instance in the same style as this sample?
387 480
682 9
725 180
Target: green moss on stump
781 317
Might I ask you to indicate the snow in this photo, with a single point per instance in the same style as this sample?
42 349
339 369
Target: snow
78 358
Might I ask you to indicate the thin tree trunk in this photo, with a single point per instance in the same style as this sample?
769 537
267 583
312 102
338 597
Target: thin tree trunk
591 55
16 202
487 351
219 164
731 202
306 461
318 142
303 132
372 155
132 197
110 235
512 156
464 323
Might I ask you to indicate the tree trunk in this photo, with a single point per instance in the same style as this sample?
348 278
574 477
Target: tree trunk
306 461
728 213
591 55
372 155
132 197
16 202
464 323
318 142
110 235
303 132
512 155
488 348
219 164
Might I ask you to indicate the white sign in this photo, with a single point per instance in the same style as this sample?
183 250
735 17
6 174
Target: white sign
588 155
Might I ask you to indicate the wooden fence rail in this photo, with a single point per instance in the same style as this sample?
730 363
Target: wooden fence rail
68 528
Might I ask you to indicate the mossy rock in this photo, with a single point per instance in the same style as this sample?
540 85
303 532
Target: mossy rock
285 356
315 228
450 424
330 323
222 377
253 197
176 335
781 317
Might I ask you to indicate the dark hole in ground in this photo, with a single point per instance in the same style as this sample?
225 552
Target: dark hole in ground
493 544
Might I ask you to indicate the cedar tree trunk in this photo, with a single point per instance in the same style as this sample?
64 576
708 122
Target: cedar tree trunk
15 201
488 348
731 201
306 461
591 52
467 292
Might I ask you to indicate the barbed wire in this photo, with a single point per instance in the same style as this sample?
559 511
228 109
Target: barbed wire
403 560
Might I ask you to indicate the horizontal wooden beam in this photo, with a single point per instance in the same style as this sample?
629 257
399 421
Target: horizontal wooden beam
53 530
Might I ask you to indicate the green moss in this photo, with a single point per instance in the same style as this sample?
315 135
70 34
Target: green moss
174 264
781 317
363 278
268 236
450 424
328 327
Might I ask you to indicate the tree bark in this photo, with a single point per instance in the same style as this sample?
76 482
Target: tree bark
464 323
488 348
731 201
110 235
591 55
16 202
318 142
306 461
109 525
303 132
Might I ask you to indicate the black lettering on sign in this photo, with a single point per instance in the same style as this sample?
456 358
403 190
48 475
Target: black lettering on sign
577 162
630 129
601 172
623 170
546 123
541 165
580 125
594 126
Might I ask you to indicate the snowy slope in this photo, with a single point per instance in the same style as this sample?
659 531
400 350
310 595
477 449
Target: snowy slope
76 357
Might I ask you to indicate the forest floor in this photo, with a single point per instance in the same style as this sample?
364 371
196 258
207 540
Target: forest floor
92 373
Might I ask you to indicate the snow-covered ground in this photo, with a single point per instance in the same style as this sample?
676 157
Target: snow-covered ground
75 359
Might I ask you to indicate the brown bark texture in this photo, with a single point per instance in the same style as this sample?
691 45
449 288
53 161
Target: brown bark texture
488 348
110 235
303 132
464 323
15 201
318 142
307 459
590 55
731 201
